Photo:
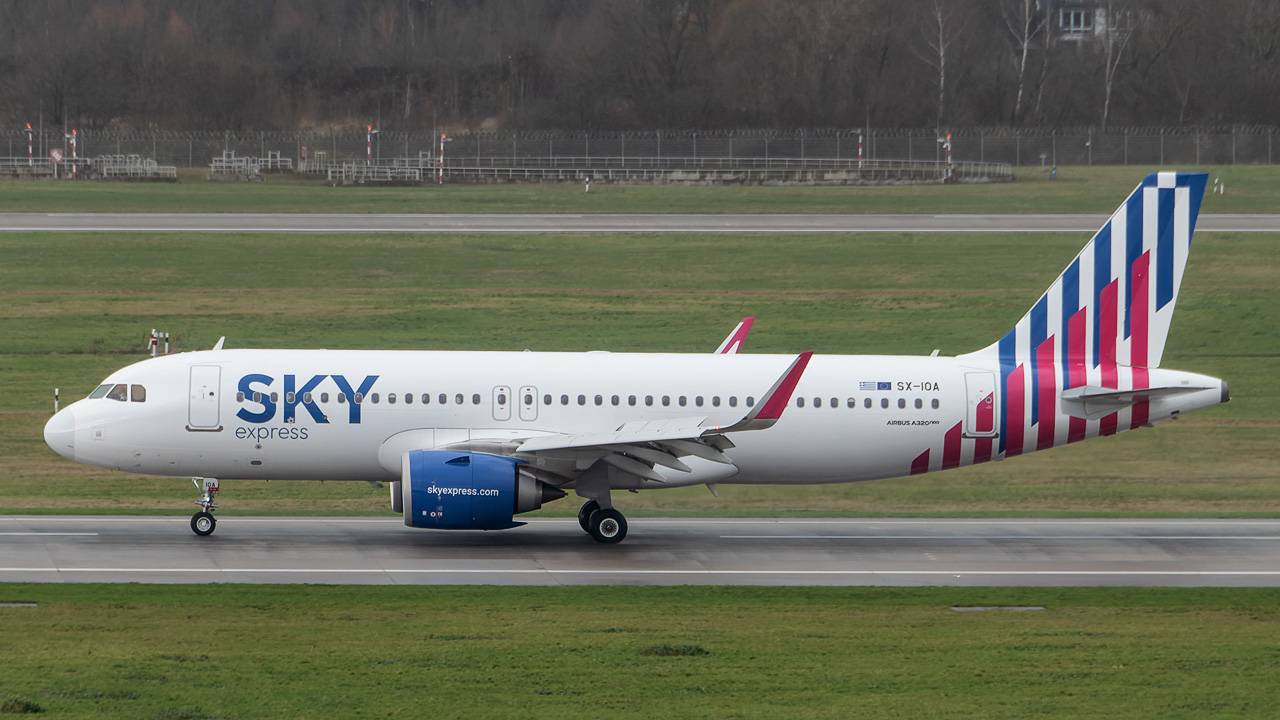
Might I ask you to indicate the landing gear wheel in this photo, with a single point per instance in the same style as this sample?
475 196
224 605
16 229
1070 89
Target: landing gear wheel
584 514
203 523
607 526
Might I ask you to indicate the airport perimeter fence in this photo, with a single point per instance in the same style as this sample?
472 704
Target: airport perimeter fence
665 149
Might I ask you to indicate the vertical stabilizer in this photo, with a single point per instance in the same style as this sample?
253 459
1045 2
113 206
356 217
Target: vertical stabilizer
1104 321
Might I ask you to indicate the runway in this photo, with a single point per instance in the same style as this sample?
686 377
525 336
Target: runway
897 552
499 223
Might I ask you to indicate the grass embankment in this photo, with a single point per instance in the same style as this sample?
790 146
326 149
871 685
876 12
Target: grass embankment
1251 189
323 652
77 307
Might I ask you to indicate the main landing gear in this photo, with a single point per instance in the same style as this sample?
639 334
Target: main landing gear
203 523
604 525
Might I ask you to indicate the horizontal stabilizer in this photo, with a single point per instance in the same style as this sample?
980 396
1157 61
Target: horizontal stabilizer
1092 402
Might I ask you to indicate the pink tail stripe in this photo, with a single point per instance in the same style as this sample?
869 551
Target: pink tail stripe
1139 336
1015 390
951 448
1046 387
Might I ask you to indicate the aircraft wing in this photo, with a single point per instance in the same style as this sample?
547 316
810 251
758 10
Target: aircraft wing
637 447
733 343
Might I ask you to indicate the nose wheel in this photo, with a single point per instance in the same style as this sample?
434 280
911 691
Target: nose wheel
203 523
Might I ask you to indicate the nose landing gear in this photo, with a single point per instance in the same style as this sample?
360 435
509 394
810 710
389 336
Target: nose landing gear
203 522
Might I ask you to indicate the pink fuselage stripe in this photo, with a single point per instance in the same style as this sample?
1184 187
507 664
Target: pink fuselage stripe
984 415
1139 324
1076 376
920 465
982 450
1016 392
951 448
1046 372
1107 338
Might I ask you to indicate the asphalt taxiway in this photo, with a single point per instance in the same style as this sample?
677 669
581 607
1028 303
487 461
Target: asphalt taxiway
565 223
552 551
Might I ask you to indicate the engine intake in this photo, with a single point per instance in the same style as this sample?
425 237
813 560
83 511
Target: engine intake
467 491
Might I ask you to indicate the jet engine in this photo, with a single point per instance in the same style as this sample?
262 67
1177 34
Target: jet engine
467 491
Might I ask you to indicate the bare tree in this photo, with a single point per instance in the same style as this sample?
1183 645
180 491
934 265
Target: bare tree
1026 22
941 30
1116 20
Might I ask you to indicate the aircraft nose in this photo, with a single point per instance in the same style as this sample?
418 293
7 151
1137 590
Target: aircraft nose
60 433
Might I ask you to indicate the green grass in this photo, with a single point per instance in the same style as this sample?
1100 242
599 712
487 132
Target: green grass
77 307
1251 189
217 651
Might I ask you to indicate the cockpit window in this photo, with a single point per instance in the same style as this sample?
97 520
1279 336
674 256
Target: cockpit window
119 392
99 392
137 393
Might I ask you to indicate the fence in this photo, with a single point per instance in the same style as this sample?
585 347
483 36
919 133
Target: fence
1024 147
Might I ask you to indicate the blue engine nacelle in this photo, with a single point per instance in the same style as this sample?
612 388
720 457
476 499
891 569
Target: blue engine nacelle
467 491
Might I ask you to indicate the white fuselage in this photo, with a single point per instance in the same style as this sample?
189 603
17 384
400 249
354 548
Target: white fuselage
850 418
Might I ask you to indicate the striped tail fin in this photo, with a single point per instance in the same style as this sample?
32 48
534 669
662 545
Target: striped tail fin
1104 321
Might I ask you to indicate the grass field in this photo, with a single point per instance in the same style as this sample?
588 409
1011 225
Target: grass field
78 306
1251 189
218 651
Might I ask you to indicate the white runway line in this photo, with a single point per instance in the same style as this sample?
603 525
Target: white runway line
579 571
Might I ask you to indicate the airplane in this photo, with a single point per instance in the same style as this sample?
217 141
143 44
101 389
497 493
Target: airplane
469 440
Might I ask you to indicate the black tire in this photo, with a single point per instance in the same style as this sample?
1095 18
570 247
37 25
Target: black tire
584 514
607 526
203 523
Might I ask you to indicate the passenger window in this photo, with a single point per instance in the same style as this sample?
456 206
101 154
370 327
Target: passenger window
648 400
502 398
528 398
275 397
884 403
240 397
357 398
835 403
391 398
426 398
919 403
457 399
817 402
408 398
582 399
324 397
733 401
342 398
118 392
306 398
799 402
715 401
614 400
698 401
475 399
546 400
853 403
902 403
599 400
666 400
935 403
290 398
751 402
374 398
137 393
443 399
683 401
631 400
867 403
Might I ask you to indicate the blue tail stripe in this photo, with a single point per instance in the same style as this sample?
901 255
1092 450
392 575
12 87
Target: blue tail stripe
1101 278
1133 245
1164 249
1070 304
1008 346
